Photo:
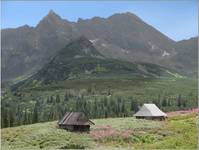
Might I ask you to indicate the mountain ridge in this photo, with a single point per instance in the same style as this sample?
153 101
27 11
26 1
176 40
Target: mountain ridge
132 40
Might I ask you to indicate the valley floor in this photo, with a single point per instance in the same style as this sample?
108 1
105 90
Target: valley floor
178 132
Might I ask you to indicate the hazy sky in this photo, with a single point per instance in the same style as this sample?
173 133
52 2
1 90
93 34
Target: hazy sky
178 19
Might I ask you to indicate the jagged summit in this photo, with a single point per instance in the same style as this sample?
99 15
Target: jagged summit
52 19
51 12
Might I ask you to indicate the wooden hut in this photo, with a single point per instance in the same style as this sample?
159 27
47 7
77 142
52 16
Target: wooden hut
150 111
75 121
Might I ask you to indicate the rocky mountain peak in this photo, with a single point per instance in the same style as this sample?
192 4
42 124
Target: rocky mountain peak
52 15
124 16
52 19
51 12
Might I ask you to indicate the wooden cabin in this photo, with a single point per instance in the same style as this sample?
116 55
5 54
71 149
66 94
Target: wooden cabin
150 111
75 121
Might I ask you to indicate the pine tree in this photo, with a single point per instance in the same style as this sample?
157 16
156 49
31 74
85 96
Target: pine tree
25 118
48 100
60 111
29 117
184 104
95 109
123 107
134 105
11 117
105 101
106 113
66 97
164 102
179 99
51 99
109 92
89 90
4 118
35 114
57 99
6 124
77 105
159 101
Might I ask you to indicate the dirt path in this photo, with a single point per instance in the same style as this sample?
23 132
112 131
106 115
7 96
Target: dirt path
182 112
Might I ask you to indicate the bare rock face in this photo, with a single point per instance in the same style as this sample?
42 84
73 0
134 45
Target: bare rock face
123 36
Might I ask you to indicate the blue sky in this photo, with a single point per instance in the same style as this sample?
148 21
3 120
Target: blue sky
178 19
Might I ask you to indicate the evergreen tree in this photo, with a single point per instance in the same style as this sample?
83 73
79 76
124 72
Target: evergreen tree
105 101
159 101
95 110
35 114
169 102
2 117
30 117
66 97
51 99
123 107
6 124
48 100
89 90
25 119
11 117
105 113
164 102
109 92
184 104
134 105
179 100
57 99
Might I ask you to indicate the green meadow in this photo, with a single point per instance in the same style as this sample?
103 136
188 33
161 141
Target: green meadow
178 132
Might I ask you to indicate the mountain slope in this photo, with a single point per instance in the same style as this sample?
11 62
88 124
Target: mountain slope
188 55
80 59
123 36
126 31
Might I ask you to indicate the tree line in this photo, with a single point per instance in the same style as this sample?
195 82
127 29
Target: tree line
15 111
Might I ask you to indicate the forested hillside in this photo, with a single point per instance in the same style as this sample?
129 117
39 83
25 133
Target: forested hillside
98 98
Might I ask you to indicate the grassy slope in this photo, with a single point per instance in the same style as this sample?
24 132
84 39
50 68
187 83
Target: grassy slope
131 86
142 89
178 132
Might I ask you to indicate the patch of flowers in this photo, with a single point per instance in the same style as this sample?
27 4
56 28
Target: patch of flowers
107 131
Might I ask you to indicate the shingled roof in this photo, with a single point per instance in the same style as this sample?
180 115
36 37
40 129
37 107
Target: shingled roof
150 110
75 118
